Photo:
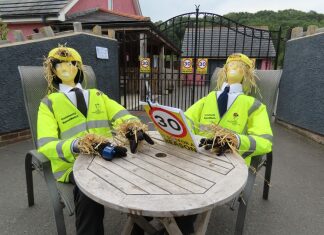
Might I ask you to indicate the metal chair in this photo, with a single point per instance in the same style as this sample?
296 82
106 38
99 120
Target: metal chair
268 84
34 89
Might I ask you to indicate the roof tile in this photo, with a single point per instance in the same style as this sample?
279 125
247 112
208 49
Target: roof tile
14 8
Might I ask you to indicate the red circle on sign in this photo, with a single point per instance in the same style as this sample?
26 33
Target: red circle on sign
183 134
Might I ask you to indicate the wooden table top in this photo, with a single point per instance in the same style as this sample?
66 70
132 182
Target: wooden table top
181 183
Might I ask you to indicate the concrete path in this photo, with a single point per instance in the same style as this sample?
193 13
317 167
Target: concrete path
295 205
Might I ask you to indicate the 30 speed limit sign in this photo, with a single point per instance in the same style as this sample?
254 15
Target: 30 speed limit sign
168 122
145 65
202 65
186 65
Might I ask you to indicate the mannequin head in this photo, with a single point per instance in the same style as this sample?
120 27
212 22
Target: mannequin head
63 65
238 69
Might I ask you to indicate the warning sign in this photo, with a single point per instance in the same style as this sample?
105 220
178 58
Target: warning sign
171 124
145 65
186 65
202 66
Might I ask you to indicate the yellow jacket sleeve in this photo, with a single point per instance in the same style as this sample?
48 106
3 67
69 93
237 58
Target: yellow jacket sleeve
193 114
117 114
258 140
49 144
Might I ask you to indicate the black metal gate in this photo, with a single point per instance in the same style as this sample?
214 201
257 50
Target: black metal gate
192 35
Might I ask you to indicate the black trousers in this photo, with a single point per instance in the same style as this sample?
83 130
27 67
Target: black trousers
88 213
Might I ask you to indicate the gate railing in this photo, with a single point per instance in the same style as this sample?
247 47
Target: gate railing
170 89
197 35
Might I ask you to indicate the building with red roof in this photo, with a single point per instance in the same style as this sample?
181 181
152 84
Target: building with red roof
30 15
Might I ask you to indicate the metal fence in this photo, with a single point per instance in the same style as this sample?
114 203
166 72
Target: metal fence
192 35
176 92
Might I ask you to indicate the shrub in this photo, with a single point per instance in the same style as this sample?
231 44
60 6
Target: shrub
3 31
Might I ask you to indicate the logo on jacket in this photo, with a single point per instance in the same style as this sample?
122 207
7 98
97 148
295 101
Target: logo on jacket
234 120
98 109
210 116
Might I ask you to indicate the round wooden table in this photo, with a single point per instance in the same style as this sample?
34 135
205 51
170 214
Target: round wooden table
162 181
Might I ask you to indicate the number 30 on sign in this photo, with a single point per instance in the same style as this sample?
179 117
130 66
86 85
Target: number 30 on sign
168 122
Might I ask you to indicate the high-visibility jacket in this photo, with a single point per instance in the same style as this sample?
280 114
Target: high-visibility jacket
59 123
247 117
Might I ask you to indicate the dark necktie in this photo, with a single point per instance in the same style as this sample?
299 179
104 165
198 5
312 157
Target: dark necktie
222 101
81 104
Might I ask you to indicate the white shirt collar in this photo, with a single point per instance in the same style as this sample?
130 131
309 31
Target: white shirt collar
66 88
234 88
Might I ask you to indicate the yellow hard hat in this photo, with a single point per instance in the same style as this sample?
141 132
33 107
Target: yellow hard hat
240 57
66 54
58 55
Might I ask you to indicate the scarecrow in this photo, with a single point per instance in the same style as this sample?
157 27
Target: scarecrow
73 120
228 118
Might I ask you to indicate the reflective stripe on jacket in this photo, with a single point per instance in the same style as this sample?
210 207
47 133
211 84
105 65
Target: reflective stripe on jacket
59 123
247 117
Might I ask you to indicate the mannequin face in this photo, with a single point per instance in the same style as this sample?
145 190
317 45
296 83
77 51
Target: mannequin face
66 71
235 72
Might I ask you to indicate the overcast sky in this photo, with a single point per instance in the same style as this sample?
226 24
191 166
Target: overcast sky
165 9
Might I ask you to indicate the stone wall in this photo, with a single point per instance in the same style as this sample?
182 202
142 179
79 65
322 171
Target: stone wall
13 118
299 32
301 91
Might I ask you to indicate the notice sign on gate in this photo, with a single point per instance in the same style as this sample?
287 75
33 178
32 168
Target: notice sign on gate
186 65
145 65
171 124
202 66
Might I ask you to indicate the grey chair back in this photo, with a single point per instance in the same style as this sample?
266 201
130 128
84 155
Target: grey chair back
34 88
268 84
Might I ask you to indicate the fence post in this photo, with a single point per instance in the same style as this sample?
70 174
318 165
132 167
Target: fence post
124 68
195 57
77 26
297 32
311 29
47 31
111 33
143 54
18 35
278 47
97 30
